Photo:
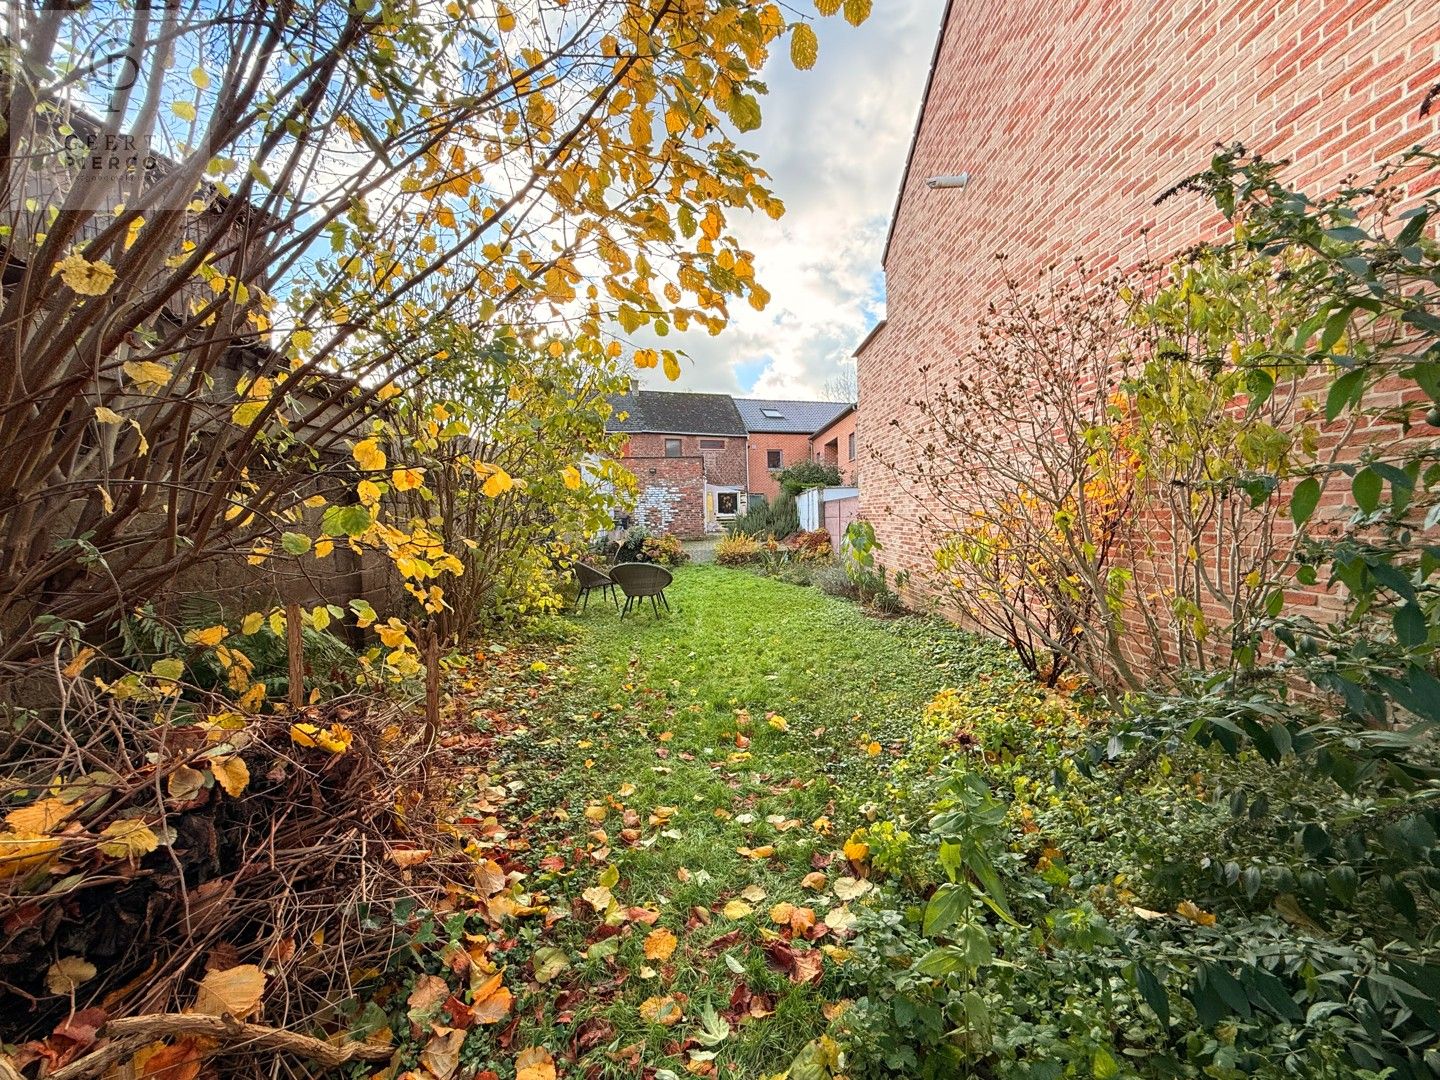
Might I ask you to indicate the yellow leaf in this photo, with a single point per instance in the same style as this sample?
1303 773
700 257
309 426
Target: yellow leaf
231 773
856 11
65 975
128 838
598 897
207 638
804 46
185 110
407 479
659 944
252 623
497 483
856 850
572 478
323 548
38 817
672 366
24 851
504 17
737 909
368 454
147 375
235 990
336 738
534 1063
764 851
86 278
662 1010
1189 910
199 77
169 669
108 416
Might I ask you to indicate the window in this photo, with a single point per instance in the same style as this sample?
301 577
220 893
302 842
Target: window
712 444
727 503
772 414
772 459
672 447
852 446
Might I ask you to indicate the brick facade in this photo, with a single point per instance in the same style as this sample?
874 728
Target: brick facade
672 494
1071 116
724 466
838 445
793 447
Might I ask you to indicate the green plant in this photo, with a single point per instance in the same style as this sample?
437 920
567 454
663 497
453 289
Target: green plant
784 517
756 519
808 474
666 550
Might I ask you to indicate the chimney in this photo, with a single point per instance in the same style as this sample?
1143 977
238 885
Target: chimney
634 384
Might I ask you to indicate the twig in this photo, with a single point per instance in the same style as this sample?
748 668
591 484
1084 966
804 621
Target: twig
130 1033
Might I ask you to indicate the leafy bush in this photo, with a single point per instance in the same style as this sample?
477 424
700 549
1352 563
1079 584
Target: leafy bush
1220 877
814 545
665 550
755 521
808 474
737 550
784 517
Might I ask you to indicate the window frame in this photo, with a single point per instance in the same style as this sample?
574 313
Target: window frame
852 446
774 459
712 444
720 497
677 444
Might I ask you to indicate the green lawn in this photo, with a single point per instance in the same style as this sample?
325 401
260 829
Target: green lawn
664 758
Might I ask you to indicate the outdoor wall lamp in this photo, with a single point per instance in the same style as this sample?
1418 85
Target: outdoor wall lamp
960 180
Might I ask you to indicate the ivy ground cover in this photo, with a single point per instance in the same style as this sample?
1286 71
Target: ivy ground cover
663 811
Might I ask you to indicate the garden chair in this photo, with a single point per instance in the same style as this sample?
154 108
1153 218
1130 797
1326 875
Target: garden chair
639 580
589 579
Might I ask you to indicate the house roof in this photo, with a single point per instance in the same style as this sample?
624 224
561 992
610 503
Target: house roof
788 417
844 412
676 412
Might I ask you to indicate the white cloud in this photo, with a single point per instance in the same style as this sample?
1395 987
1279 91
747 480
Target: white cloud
834 141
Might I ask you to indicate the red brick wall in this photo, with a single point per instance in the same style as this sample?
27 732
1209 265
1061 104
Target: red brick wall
725 466
672 494
792 448
1071 116
838 433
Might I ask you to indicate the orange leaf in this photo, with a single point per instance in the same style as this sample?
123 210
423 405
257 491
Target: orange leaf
659 944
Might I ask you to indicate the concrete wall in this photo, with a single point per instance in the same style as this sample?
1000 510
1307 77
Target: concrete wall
1071 116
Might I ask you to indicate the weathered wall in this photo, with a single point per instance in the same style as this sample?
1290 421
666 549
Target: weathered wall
793 448
672 494
723 466
1071 116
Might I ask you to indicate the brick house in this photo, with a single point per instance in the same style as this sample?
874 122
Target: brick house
779 434
835 444
688 454
699 457
1071 117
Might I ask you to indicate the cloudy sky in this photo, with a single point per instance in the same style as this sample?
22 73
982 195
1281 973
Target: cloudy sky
834 141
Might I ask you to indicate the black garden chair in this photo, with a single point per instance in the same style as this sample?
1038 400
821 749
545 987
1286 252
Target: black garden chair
639 580
590 579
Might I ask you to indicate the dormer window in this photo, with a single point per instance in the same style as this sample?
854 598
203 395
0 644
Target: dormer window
772 414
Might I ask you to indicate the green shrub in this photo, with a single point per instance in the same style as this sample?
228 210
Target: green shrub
808 474
784 517
755 521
